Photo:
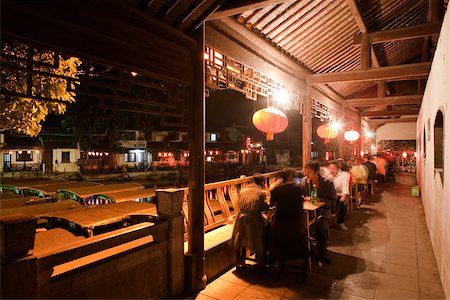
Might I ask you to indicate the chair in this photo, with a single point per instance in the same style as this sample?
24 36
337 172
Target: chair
289 244
239 234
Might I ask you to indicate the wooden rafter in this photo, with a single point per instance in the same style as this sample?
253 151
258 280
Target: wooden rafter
397 120
404 33
392 100
362 27
231 8
386 113
382 73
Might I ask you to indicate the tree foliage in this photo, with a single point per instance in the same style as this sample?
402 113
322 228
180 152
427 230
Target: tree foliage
26 99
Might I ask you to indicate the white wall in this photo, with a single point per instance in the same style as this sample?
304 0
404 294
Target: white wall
435 193
59 166
396 132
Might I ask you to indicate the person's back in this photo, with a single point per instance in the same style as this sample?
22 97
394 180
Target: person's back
252 200
287 198
372 169
249 228
359 174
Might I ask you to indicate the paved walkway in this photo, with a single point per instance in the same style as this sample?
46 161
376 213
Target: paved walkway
386 254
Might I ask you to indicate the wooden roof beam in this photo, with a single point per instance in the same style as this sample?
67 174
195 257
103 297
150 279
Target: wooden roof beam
399 120
392 100
231 8
403 33
386 113
382 73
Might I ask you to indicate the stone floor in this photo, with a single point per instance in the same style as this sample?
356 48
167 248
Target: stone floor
386 254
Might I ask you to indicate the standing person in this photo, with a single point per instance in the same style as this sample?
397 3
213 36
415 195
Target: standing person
341 181
371 167
249 228
325 193
381 166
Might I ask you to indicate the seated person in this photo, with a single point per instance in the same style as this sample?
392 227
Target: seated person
249 228
325 193
288 226
341 181
359 174
371 167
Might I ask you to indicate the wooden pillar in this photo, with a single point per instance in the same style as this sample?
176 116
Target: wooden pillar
359 142
307 124
195 260
341 133
435 11
366 55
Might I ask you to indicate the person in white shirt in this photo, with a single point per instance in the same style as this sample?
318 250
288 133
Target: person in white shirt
341 181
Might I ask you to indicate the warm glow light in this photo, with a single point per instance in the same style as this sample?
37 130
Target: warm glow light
257 151
281 96
10 152
20 151
37 151
351 135
404 154
134 74
96 153
217 152
327 132
106 153
369 134
242 151
415 154
336 125
362 153
270 121
29 152
373 147
209 159
205 55
246 151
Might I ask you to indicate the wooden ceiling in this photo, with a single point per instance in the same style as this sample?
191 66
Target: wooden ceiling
375 53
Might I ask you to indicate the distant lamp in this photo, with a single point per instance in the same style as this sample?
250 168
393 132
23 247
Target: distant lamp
327 132
404 154
351 135
336 125
281 96
270 121
369 134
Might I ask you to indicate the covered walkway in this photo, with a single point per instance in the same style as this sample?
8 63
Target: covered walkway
386 254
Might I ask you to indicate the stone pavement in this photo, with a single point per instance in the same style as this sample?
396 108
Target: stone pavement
386 254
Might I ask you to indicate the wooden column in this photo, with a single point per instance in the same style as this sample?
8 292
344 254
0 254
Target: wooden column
196 278
307 124
341 133
366 56
359 142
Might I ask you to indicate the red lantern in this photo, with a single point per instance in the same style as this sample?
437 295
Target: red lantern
270 121
351 135
327 132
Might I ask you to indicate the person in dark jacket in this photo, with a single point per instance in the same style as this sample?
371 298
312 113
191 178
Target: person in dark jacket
371 167
326 193
288 227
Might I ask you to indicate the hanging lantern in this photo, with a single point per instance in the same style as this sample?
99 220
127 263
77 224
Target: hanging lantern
327 132
351 135
270 121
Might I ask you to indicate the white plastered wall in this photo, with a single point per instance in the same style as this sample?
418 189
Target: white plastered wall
435 192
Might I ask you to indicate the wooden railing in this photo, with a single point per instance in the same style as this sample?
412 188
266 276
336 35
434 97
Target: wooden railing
221 200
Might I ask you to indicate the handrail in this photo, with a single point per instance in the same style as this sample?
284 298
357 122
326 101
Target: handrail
221 200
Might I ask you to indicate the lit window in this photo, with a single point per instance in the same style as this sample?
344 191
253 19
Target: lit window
213 137
65 157
24 156
130 157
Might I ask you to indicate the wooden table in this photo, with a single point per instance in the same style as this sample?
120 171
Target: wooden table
311 215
